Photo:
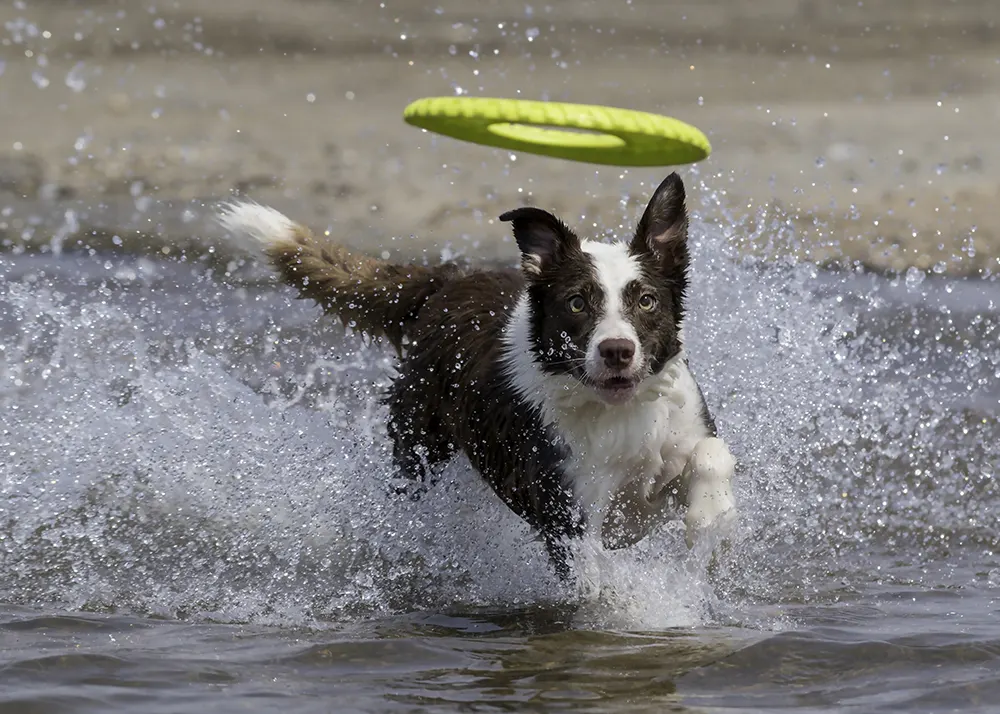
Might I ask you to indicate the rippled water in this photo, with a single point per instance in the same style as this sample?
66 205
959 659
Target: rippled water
196 510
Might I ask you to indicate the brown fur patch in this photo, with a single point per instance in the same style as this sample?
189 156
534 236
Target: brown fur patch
369 295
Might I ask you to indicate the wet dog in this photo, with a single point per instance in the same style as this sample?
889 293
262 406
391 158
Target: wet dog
565 383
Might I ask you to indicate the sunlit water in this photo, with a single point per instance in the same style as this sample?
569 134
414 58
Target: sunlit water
197 513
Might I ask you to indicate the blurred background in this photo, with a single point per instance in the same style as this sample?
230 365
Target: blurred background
866 128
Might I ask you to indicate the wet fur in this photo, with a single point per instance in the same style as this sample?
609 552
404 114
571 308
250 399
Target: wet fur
494 365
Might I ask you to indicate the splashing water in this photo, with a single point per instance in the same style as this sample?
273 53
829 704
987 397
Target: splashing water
179 445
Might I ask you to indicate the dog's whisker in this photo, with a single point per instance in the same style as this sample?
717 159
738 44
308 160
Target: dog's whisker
582 361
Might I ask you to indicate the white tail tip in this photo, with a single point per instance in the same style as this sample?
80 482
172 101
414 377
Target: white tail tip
255 227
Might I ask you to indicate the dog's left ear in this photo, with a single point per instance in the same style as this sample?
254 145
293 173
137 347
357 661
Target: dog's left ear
663 228
542 238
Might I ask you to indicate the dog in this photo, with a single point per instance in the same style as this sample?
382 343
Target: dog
565 383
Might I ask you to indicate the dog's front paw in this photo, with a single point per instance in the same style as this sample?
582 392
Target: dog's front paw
715 529
708 474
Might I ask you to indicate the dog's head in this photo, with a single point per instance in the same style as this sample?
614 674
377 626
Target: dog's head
607 314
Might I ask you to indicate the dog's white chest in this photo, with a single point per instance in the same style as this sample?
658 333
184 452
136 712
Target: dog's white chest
645 442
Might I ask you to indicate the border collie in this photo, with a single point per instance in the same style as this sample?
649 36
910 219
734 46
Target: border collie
565 384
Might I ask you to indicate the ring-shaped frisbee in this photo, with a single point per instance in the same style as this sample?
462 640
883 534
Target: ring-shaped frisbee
578 132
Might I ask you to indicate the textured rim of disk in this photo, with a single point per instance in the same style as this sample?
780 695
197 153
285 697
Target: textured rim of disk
578 132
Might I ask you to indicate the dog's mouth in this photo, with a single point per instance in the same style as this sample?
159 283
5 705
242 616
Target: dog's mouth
616 389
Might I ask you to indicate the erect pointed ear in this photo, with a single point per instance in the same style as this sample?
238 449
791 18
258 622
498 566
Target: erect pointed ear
541 237
663 228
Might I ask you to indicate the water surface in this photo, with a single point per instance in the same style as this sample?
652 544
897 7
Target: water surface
196 511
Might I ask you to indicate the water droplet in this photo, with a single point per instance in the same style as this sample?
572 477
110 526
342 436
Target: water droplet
914 276
820 162
531 33
74 78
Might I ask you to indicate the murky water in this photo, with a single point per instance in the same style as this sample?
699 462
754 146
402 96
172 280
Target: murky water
196 510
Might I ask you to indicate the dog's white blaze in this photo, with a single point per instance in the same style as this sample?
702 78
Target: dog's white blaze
615 269
254 226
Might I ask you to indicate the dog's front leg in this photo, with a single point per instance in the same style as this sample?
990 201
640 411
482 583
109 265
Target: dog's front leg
706 488
640 504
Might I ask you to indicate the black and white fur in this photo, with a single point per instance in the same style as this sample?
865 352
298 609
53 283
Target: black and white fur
566 383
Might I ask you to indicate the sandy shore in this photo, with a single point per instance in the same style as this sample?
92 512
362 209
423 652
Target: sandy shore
843 134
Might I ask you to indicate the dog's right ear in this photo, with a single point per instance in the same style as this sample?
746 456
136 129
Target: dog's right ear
663 228
541 237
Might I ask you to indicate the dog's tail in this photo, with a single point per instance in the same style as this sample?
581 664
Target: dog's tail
372 296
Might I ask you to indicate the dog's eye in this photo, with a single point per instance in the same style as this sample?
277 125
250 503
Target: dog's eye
576 303
647 302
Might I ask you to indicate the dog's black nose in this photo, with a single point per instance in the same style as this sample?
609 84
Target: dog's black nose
617 353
